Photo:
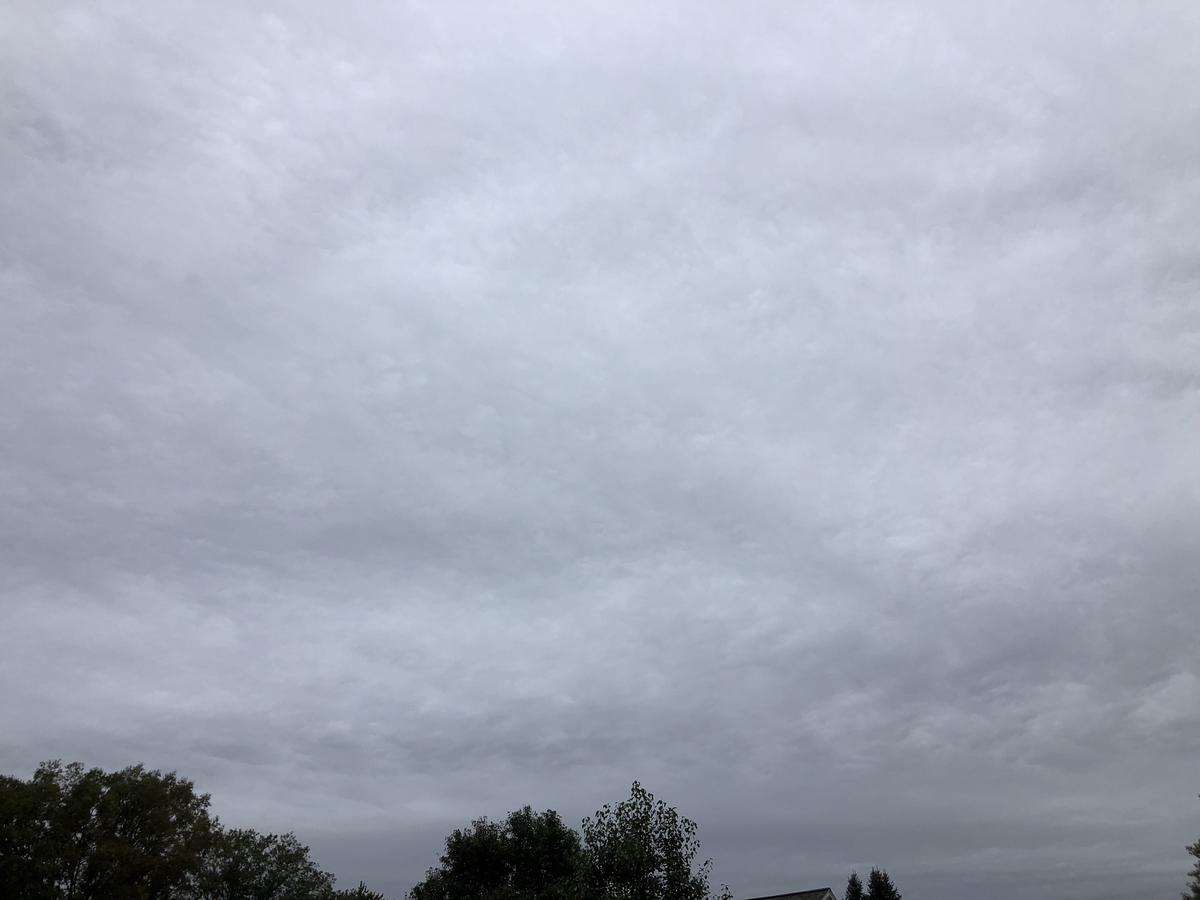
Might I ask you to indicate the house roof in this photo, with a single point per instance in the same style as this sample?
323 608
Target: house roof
819 894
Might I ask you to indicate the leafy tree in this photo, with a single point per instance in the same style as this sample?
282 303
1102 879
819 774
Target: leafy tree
362 892
545 853
880 887
642 849
27 844
854 889
73 833
246 865
529 856
474 865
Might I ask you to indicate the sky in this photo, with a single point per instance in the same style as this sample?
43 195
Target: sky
410 411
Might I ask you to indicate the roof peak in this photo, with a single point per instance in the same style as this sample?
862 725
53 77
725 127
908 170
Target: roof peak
814 894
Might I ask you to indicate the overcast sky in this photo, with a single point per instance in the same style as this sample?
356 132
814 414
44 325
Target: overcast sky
411 411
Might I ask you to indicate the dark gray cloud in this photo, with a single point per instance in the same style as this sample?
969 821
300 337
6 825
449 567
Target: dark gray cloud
409 412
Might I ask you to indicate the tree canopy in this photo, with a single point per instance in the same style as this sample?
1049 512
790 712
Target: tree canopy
362 892
640 849
71 833
854 888
1193 891
246 865
880 887
528 855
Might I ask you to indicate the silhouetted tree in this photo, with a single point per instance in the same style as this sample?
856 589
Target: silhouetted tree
529 856
642 849
880 887
246 865
1193 892
362 892
73 833
854 889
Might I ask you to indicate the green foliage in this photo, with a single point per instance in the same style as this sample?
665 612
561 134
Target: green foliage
642 849
74 833
854 888
880 887
1193 892
71 833
545 854
246 865
28 844
529 856
362 892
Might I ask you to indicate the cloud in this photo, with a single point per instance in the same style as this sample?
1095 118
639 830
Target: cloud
408 413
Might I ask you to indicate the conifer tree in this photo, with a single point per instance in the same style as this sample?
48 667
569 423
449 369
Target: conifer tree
1193 892
854 890
880 887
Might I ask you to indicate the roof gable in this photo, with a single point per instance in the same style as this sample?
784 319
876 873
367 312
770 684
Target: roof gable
819 894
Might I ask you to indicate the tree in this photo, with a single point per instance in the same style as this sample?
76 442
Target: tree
642 849
854 890
880 887
362 892
71 833
529 856
1193 892
1194 875
26 842
246 865
545 854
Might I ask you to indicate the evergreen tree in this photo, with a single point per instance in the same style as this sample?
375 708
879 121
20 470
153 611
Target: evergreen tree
880 887
1193 892
854 889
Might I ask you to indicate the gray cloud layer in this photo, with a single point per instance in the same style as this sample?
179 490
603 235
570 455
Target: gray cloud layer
408 412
